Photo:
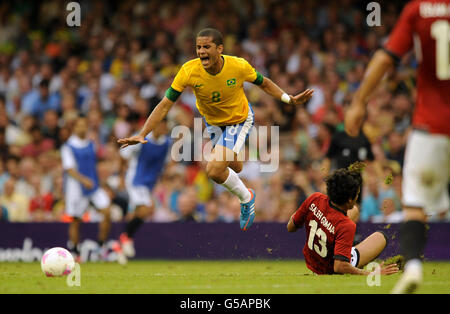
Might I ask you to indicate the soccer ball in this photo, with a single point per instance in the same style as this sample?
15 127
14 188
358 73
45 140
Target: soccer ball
57 262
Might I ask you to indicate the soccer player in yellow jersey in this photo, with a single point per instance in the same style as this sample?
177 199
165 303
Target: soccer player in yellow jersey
217 81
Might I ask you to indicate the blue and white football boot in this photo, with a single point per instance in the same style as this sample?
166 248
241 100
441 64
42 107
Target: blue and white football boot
248 212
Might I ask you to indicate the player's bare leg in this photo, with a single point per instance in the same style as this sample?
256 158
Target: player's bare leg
124 248
219 170
104 225
412 242
74 230
103 231
74 237
126 239
236 165
370 248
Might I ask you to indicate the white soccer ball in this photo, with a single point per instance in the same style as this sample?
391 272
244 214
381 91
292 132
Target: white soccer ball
57 262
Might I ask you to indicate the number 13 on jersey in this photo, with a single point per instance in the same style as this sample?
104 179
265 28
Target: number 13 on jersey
440 31
320 249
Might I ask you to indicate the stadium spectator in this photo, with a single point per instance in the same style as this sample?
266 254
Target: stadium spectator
44 100
15 202
41 204
370 207
50 127
212 211
229 207
27 169
50 169
3 146
3 175
3 214
395 149
38 145
402 109
329 111
188 207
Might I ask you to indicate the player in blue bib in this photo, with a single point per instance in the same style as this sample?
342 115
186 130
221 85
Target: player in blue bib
145 164
81 184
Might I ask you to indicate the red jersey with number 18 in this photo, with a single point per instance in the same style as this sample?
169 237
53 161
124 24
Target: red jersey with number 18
329 233
425 25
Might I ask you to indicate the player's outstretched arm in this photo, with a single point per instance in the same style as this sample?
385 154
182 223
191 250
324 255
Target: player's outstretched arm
275 91
354 117
155 117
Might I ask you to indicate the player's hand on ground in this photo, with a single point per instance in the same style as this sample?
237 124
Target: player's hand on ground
302 97
388 269
133 140
354 118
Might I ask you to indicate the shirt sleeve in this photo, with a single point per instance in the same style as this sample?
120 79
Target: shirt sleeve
178 85
344 241
299 216
251 75
400 40
181 80
67 158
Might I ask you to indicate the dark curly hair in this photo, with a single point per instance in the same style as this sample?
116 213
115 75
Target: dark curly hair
344 184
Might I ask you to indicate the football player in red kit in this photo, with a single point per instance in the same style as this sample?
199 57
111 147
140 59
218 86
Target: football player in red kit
329 232
424 26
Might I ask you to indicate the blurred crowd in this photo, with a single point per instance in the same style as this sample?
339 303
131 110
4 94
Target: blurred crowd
117 65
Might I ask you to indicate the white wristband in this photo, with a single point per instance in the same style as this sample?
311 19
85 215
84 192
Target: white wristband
285 98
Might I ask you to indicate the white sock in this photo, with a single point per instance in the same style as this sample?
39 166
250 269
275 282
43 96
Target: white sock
237 187
414 265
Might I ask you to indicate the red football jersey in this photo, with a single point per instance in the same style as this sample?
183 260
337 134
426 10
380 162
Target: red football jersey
425 25
329 233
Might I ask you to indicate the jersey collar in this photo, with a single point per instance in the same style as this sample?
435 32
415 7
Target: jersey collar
336 208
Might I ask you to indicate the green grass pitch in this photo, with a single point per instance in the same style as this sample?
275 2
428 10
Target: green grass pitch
207 277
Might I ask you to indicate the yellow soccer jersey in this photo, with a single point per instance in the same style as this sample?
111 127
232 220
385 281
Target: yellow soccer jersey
220 98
